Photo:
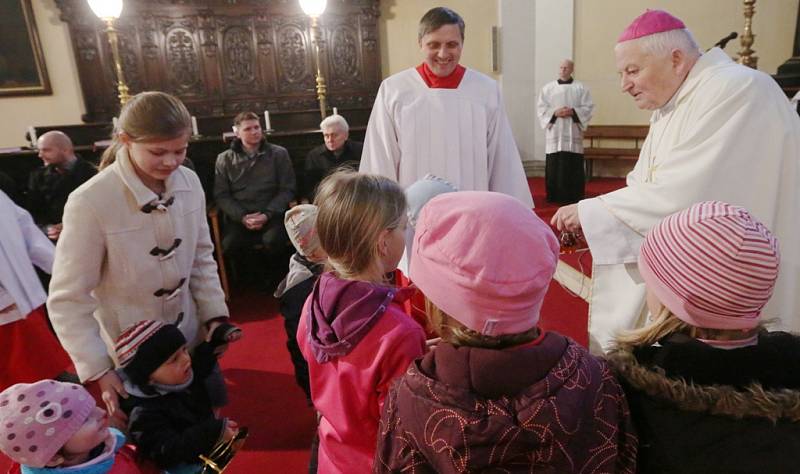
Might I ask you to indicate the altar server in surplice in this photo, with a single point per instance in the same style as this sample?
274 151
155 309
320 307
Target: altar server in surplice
564 109
444 119
719 131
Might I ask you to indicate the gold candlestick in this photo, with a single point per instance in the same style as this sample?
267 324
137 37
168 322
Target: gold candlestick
113 40
322 89
746 55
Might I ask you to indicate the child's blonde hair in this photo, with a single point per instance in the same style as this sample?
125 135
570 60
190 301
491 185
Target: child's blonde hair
147 117
455 333
665 323
354 209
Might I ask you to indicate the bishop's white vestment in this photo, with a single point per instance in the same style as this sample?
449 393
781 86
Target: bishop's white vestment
461 135
727 134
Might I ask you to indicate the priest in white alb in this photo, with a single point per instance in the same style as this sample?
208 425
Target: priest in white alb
564 109
443 119
719 131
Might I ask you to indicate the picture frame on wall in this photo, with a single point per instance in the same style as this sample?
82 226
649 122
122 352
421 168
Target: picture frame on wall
22 66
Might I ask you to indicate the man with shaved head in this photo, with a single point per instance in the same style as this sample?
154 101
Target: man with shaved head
564 109
49 186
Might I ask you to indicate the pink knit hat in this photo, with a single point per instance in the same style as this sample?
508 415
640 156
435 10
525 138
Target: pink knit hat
650 22
36 419
713 265
485 259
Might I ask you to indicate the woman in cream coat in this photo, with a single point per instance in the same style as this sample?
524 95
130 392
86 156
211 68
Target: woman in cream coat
135 244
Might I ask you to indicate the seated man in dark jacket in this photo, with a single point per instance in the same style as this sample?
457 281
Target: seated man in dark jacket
49 186
337 151
170 417
253 184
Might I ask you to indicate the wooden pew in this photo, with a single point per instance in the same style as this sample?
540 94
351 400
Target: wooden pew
631 135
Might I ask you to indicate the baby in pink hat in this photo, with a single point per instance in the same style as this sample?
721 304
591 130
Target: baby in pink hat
55 427
498 392
710 390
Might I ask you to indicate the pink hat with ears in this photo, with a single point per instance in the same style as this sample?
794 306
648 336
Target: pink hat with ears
650 22
485 259
712 265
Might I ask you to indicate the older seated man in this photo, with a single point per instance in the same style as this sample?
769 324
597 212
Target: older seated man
49 186
338 151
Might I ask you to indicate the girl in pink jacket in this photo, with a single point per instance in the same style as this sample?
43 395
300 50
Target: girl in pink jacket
353 331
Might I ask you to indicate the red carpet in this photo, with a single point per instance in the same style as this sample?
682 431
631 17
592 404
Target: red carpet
562 311
263 394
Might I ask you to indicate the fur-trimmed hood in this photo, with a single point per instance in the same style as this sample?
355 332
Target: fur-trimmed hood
752 400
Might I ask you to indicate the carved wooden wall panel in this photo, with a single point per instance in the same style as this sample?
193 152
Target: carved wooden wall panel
224 56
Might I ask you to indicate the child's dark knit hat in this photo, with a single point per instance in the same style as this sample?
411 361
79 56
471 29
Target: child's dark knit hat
143 347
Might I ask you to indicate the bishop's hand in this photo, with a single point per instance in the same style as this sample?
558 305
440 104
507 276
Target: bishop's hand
566 219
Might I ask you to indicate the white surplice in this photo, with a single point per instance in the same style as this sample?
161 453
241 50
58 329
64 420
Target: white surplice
461 135
565 134
22 245
728 134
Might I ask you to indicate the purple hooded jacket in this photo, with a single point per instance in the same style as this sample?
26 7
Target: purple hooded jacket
546 406
357 340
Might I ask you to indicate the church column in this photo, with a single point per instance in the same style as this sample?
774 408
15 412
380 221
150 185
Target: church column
534 38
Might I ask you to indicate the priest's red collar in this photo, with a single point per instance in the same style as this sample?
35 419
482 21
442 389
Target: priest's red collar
433 81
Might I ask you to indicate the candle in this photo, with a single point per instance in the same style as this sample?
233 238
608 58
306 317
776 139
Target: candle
267 125
32 136
114 122
335 111
194 126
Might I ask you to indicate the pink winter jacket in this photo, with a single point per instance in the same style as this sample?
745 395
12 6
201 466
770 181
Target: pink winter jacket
357 339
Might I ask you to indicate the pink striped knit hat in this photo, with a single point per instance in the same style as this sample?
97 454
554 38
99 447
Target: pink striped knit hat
712 265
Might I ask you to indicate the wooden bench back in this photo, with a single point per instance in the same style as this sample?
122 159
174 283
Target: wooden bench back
616 131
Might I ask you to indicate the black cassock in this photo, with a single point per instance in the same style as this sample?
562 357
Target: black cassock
564 177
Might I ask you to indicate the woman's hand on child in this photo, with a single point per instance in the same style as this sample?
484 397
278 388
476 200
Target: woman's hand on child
111 389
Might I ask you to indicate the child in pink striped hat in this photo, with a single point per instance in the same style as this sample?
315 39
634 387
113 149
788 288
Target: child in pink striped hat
498 393
710 389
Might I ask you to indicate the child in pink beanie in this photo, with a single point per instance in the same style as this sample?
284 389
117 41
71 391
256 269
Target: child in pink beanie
55 427
710 390
498 393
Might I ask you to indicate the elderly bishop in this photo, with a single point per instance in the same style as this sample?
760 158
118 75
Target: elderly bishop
719 131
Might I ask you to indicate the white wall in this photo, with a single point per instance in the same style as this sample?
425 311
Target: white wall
517 70
535 37
554 43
